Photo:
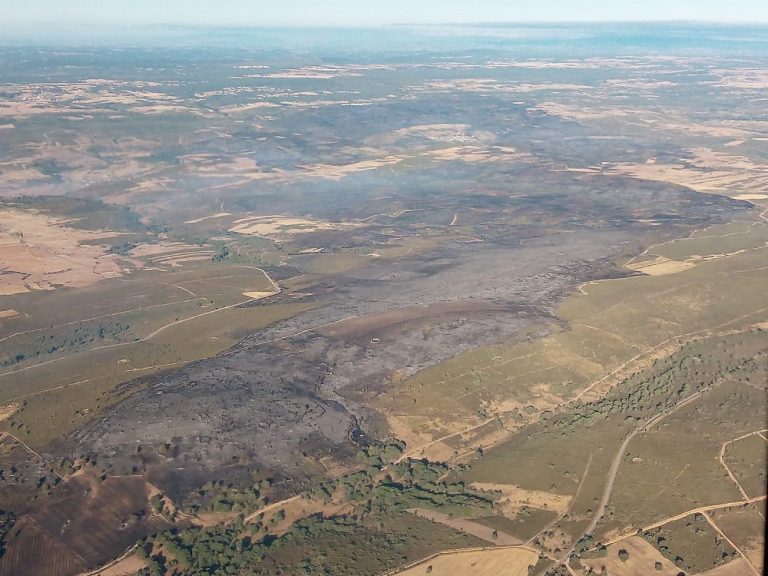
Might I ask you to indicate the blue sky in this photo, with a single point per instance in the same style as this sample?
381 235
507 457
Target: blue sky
370 12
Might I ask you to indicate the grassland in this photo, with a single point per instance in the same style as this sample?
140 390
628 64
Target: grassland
682 482
661 430
64 322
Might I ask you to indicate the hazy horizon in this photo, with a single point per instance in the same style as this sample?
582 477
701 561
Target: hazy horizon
371 13
502 37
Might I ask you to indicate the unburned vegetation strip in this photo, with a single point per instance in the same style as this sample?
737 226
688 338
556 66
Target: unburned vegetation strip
552 454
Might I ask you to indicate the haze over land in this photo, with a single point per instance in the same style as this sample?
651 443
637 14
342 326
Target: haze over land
469 299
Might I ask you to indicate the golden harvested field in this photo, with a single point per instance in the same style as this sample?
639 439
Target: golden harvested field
40 252
281 227
501 562
707 170
641 562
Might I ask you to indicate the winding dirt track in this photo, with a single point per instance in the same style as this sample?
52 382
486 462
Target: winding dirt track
614 470
721 457
620 455
272 506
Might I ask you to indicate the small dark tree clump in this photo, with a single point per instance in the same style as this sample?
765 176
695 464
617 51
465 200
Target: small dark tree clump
623 555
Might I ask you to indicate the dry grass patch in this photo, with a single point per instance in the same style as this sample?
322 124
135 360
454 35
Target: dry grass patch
660 266
40 252
515 498
692 544
738 567
8 410
281 227
501 562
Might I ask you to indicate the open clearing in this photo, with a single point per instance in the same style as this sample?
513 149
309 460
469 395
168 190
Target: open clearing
515 498
745 459
466 525
683 483
501 562
642 560
281 227
692 543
